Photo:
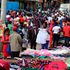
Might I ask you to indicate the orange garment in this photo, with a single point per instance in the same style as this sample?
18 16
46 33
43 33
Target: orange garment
66 30
51 33
5 46
51 38
21 19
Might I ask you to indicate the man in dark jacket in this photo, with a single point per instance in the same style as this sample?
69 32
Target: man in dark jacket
32 37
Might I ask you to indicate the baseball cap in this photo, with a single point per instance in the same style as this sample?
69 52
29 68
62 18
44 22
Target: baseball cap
14 28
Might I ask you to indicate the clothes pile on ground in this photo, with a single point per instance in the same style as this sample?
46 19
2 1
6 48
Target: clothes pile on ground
62 52
34 64
42 64
42 57
30 59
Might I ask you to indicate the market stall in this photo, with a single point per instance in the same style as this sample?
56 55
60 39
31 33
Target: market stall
30 59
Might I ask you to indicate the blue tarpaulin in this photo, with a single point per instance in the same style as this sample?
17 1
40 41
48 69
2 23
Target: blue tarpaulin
12 6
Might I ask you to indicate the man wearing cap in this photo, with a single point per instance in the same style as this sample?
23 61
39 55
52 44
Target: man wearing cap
15 42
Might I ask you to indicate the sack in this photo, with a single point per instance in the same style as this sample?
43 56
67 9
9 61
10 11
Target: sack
9 49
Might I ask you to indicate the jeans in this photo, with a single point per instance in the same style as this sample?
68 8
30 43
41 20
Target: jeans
55 39
45 46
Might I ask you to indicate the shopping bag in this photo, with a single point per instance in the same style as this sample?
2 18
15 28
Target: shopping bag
9 49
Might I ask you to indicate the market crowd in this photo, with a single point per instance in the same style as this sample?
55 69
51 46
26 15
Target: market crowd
50 29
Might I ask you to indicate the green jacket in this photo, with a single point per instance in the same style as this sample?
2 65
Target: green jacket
10 27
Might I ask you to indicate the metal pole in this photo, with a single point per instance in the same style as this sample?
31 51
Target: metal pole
3 10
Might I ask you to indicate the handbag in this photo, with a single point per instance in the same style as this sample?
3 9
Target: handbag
9 48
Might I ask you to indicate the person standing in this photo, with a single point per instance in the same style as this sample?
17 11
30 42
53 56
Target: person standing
42 36
15 42
56 34
25 37
32 37
5 41
51 32
66 32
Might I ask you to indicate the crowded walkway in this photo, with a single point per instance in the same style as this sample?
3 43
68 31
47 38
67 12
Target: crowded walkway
46 29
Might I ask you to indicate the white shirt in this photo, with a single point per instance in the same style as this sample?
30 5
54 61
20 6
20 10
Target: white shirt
42 36
49 19
56 29
7 16
59 18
